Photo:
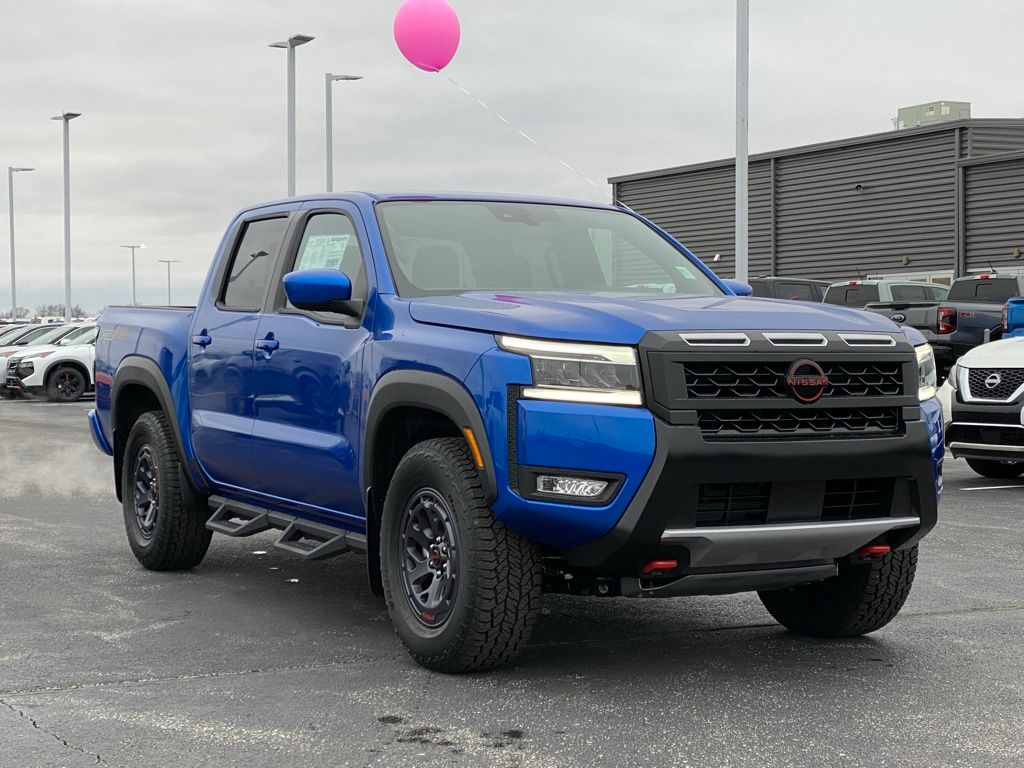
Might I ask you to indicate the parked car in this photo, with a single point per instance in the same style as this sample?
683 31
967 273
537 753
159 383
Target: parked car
973 314
982 401
861 293
33 335
792 288
492 396
62 371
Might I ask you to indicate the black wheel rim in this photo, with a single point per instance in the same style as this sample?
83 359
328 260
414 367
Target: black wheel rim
146 492
430 557
69 385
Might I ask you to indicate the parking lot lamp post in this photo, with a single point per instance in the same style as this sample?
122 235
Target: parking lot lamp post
328 79
291 44
168 262
67 117
10 202
742 130
133 247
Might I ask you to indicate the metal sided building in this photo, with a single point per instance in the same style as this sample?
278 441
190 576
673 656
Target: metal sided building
929 202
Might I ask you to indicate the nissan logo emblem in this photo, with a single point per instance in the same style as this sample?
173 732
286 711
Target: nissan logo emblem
806 381
993 380
898 317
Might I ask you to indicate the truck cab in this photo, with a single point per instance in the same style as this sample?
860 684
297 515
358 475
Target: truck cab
494 396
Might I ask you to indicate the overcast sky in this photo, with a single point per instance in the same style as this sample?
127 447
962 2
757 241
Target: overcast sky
184 106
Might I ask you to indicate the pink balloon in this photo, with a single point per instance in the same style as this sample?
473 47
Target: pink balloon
427 33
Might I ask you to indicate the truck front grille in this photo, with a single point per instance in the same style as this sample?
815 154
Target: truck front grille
729 504
768 379
1005 383
798 423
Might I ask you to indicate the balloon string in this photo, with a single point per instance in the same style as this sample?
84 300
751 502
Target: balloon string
604 192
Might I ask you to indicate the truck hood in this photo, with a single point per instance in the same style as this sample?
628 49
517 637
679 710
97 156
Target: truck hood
624 318
1005 353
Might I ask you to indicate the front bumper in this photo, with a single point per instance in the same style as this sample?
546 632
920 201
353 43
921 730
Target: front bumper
993 431
662 519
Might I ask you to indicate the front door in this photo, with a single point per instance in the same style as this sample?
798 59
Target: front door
221 354
308 379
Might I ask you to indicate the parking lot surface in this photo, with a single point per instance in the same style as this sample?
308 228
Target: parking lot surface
255 658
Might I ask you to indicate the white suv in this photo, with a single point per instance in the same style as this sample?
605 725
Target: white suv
62 371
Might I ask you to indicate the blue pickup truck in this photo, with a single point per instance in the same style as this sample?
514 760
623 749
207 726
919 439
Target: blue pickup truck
494 396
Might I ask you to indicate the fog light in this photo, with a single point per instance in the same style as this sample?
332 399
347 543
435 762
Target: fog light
579 487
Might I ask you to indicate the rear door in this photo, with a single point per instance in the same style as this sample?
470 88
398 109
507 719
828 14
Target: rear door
221 352
309 383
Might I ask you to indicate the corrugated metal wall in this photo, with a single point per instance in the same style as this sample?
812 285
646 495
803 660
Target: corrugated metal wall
994 214
863 209
824 226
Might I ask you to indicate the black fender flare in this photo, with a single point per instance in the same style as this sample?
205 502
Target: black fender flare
433 391
136 369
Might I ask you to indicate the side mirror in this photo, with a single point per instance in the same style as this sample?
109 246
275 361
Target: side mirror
321 290
737 287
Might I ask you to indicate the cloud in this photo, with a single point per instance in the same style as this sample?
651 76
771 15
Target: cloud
184 112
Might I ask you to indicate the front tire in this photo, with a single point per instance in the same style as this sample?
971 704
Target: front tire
463 591
66 385
164 533
862 598
1000 470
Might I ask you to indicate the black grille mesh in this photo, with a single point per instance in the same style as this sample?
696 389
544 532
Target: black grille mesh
1010 380
859 499
733 503
723 504
755 379
837 422
965 433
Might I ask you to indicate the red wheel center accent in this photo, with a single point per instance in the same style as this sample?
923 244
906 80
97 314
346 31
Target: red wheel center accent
435 557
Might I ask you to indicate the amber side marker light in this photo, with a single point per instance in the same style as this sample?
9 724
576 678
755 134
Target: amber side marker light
474 448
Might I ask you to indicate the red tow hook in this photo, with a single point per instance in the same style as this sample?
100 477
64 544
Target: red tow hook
658 567
873 550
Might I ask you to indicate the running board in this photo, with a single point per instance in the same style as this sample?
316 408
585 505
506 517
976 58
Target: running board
300 537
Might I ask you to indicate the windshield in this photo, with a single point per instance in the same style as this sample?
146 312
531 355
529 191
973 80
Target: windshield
440 247
44 335
84 335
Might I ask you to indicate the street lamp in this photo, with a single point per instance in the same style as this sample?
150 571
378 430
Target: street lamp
10 200
291 44
742 130
132 248
328 79
168 262
66 118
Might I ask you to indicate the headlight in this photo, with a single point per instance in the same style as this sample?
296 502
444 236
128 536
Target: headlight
579 373
25 368
953 373
927 378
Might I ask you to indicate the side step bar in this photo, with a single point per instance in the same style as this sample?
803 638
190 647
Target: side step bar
304 538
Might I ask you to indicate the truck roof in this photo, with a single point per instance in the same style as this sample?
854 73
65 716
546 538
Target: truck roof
399 195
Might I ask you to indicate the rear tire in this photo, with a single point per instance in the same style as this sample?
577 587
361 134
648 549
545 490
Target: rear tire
1000 470
66 385
437 527
163 532
862 598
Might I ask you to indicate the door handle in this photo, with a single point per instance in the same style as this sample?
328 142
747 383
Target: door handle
202 339
269 345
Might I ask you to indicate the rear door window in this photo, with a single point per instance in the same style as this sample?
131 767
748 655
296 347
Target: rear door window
252 264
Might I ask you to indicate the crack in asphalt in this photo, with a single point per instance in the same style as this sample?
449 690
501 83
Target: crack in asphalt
61 739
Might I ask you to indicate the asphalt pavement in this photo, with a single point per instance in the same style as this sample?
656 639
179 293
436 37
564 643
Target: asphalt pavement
255 658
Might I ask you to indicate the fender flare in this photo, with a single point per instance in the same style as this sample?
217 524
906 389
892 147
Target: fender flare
136 369
433 391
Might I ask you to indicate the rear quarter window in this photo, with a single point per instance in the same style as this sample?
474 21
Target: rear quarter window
851 295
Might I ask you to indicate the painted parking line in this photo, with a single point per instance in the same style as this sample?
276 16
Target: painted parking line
992 487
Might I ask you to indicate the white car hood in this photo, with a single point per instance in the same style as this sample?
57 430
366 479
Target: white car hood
1006 353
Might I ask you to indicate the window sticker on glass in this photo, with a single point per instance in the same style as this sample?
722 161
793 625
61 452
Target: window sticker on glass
684 271
323 251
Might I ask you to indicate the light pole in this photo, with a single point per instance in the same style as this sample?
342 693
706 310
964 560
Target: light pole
168 262
742 130
10 200
291 44
67 117
132 248
328 79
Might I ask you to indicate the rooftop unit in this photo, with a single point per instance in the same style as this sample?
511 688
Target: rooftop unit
931 113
